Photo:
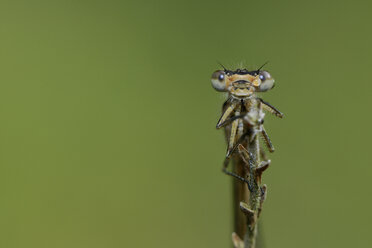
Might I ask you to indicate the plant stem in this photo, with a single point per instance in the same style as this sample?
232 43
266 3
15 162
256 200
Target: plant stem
251 168
240 194
255 194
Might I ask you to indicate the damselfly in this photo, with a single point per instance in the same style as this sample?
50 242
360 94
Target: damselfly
243 109
243 120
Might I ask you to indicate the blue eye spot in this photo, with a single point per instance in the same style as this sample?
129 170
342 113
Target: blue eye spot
262 77
221 77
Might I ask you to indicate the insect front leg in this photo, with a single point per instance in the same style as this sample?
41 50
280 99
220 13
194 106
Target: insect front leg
235 131
270 108
236 137
222 121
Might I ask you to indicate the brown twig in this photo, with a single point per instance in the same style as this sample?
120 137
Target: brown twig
251 170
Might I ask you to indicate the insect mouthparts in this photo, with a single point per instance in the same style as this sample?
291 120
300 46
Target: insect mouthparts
241 81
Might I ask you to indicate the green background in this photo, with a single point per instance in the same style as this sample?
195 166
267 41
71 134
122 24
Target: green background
107 131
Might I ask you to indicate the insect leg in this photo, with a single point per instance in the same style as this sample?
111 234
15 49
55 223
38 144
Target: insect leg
237 177
263 155
230 120
267 140
230 152
234 129
270 108
226 114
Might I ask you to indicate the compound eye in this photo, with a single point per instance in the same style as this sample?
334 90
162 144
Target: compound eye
267 82
219 80
262 77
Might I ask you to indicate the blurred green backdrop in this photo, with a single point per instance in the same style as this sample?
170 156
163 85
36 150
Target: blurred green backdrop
108 121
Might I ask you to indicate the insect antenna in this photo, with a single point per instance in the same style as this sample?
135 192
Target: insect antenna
262 66
222 66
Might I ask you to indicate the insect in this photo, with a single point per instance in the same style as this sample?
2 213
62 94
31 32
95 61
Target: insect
243 115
